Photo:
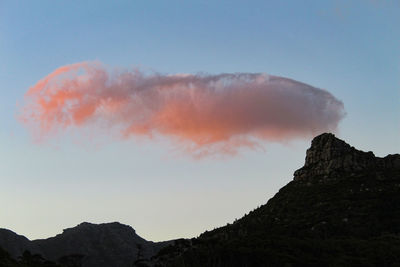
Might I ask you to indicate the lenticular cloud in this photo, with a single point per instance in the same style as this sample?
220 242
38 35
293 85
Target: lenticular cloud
201 114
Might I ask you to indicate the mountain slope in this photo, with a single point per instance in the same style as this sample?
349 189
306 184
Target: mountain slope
342 208
13 243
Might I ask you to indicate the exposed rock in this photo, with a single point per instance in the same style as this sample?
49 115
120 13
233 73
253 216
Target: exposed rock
329 157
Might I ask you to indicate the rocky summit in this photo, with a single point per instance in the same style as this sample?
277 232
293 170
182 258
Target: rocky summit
329 156
342 208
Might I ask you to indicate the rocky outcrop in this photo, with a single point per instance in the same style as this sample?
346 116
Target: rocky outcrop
89 245
329 157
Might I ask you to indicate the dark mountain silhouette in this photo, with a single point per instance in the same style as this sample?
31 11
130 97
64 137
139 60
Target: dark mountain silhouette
341 209
97 245
14 244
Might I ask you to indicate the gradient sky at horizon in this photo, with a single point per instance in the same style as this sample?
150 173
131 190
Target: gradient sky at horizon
350 48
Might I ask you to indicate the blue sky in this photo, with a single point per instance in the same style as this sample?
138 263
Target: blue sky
349 48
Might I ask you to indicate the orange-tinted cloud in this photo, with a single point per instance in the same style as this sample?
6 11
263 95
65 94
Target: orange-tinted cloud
201 113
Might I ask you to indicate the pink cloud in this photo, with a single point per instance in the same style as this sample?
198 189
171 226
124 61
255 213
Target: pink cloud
200 113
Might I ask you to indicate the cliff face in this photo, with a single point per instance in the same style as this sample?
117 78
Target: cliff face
341 209
330 157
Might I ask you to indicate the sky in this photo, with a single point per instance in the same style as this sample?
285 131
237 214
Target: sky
326 65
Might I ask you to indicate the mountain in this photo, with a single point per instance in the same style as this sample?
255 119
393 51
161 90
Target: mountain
87 245
341 209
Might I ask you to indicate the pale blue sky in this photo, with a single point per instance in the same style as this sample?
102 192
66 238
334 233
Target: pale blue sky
350 48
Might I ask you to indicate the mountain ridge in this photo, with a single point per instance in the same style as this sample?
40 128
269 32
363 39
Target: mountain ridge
104 244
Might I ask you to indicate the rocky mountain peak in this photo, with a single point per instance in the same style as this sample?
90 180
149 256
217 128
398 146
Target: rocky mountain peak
329 157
